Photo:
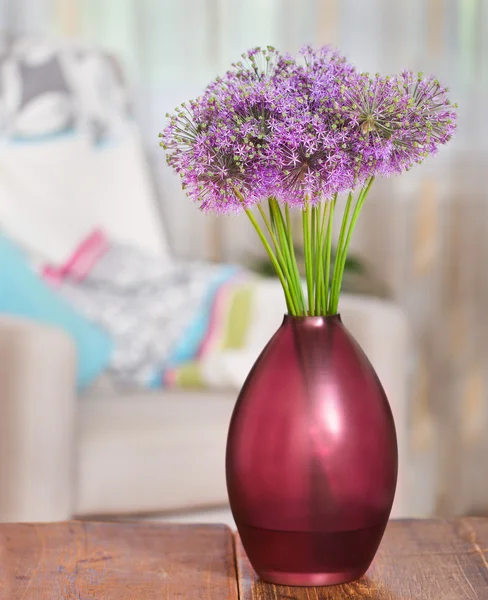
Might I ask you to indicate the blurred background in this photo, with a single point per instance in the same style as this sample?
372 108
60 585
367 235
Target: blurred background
421 244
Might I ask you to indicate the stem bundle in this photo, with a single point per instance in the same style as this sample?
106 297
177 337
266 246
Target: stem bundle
323 275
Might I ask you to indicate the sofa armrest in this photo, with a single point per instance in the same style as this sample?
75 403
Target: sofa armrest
37 418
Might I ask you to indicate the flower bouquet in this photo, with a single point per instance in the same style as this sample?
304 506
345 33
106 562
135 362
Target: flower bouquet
311 453
275 134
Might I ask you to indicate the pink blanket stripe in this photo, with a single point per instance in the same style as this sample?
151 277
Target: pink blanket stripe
81 262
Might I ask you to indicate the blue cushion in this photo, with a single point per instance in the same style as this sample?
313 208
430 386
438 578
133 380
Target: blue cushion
25 294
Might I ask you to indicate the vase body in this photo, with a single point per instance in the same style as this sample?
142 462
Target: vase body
311 458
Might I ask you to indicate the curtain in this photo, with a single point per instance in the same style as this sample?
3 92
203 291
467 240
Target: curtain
426 233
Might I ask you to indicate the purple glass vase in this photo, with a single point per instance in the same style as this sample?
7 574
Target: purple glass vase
311 456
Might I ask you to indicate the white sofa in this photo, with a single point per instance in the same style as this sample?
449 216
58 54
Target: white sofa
104 454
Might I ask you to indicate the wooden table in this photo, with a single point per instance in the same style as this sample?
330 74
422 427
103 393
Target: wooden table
428 560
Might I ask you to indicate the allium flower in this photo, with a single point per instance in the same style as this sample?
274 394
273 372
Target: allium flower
394 122
302 132
220 145
299 133
430 118
309 149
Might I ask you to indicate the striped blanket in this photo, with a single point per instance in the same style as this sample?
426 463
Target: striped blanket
168 320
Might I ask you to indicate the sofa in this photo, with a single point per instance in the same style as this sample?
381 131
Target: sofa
63 455
72 161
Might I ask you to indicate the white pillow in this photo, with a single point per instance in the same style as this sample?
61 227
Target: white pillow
124 203
54 192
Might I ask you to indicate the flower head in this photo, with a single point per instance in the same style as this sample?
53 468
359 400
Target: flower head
219 144
301 130
309 151
393 123
430 119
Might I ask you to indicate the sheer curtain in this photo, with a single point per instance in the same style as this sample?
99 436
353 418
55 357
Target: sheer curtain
426 233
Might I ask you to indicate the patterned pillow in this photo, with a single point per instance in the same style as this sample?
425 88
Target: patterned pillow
51 87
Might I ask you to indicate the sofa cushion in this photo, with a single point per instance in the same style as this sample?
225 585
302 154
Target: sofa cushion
152 452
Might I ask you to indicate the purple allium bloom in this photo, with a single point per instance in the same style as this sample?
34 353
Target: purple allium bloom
301 131
309 148
430 119
395 122
220 144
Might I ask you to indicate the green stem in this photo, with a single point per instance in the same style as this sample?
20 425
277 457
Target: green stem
328 250
289 300
279 253
323 296
284 238
270 230
307 253
357 209
318 270
319 275
274 261
291 246
313 252
337 262
271 216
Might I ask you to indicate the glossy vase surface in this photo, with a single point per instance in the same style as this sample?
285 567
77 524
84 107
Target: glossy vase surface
311 456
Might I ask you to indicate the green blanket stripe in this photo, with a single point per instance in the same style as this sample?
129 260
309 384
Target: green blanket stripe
190 375
238 318
233 336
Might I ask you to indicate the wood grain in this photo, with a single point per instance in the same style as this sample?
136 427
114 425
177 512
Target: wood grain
116 561
421 560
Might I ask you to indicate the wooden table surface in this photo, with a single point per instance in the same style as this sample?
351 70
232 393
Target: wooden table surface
425 560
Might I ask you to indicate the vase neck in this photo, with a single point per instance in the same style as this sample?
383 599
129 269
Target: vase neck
316 321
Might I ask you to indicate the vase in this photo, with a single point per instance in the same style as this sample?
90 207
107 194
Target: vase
311 459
